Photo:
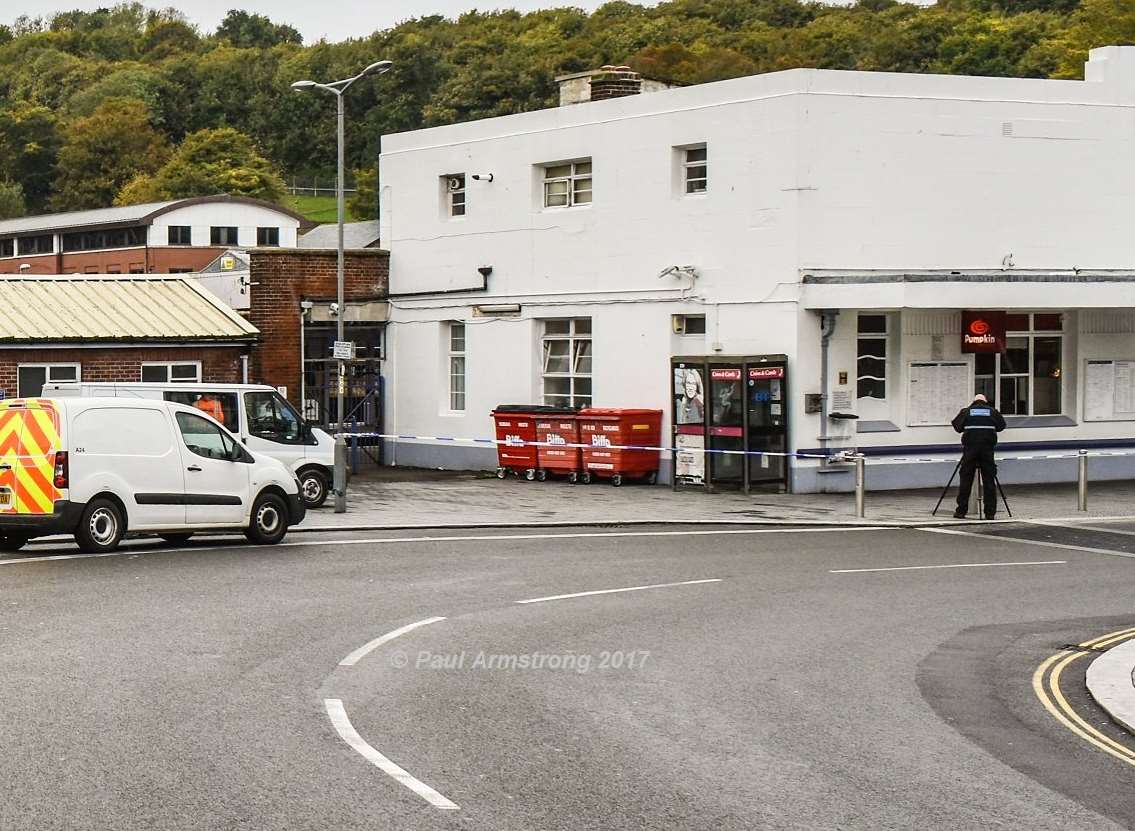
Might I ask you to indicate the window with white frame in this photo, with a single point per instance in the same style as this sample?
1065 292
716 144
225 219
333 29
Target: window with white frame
567 362
177 373
457 366
567 184
872 331
31 378
1026 379
695 172
454 194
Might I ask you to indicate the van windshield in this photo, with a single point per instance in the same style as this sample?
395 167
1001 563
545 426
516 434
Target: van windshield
220 405
272 418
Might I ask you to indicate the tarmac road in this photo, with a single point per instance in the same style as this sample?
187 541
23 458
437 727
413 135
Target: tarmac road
195 688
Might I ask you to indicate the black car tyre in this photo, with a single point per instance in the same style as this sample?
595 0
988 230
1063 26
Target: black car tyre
269 521
314 487
175 539
12 542
101 528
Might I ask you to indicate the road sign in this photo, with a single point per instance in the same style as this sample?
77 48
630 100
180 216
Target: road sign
343 350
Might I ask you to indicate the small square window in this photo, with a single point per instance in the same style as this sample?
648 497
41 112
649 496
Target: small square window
268 236
223 235
567 184
180 235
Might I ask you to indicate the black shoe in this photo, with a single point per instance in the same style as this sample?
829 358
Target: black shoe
989 516
959 514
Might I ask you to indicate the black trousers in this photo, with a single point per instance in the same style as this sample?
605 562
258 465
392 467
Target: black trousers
974 456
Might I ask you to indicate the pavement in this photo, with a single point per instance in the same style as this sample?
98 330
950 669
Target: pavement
412 498
1111 681
692 677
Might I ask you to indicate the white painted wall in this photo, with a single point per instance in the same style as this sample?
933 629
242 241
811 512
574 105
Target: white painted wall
807 170
247 218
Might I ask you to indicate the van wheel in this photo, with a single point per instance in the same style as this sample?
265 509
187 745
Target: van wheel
101 528
12 542
175 539
314 487
269 520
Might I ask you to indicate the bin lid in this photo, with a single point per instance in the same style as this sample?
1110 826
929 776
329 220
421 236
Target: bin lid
533 409
615 412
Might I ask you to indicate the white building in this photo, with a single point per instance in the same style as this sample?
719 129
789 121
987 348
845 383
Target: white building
532 261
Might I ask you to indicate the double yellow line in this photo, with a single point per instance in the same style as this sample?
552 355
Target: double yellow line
1046 685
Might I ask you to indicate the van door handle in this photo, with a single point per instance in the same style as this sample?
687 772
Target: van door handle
194 468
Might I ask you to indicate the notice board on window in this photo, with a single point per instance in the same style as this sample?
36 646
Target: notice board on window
1109 391
936 391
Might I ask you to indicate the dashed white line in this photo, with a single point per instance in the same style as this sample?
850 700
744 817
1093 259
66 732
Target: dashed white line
998 538
950 565
338 715
615 591
367 648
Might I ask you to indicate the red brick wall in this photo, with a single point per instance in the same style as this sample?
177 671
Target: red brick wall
155 260
218 364
281 279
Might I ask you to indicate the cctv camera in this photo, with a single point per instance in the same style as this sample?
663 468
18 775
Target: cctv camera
333 309
478 177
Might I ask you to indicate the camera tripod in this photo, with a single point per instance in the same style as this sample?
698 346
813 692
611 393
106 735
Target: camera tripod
978 484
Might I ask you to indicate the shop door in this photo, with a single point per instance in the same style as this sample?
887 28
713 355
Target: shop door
726 426
767 424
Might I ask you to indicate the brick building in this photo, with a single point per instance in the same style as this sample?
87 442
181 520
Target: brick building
116 328
178 236
291 303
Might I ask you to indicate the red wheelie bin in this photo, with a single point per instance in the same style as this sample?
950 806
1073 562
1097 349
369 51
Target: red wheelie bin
516 437
556 433
603 431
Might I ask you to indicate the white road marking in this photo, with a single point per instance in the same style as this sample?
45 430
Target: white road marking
347 732
466 538
614 591
1052 523
366 648
952 565
998 538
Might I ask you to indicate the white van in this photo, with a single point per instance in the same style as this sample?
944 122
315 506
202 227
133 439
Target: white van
263 419
102 468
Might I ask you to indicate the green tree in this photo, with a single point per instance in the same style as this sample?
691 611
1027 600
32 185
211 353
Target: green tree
209 162
244 30
11 200
29 148
103 152
363 204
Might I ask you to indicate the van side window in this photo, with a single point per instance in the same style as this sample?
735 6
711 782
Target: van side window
204 438
272 418
220 405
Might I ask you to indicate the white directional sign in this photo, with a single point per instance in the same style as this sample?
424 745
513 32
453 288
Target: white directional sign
344 350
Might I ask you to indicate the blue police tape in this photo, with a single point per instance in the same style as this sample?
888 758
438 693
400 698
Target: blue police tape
833 456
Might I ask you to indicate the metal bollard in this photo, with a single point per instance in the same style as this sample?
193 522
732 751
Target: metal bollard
976 495
860 486
1082 484
339 479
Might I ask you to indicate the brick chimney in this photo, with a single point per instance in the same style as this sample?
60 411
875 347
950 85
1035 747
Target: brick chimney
615 82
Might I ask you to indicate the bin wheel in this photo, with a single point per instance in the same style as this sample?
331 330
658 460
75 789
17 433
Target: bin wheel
573 478
542 475
530 474
585 477
501 473
652 478
617 480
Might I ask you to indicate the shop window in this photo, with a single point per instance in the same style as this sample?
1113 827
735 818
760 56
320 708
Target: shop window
31 378
695 170
566 185
567 362
457 366
871 357
180 235
1026 379
181 373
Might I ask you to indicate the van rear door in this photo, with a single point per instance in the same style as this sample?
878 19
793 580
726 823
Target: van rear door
29 440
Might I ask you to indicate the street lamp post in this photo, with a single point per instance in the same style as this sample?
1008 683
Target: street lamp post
337 88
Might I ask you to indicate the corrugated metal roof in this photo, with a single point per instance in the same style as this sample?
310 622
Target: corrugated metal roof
355 235
102 308
75 219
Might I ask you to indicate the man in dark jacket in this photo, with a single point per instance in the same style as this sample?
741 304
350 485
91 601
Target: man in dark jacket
979 424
